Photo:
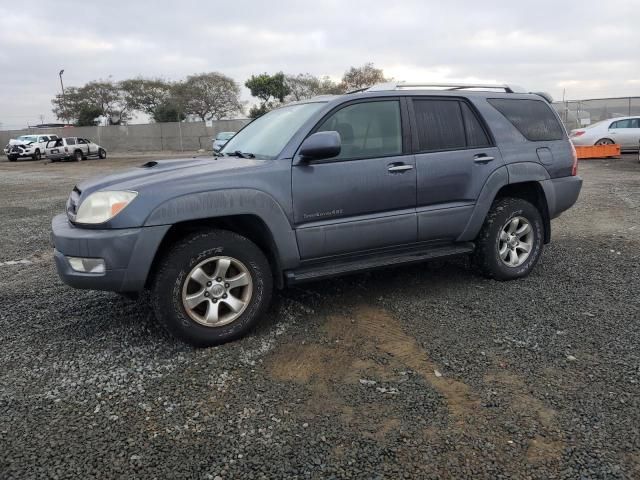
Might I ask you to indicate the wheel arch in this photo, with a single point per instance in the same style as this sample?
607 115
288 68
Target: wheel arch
521 180
250 226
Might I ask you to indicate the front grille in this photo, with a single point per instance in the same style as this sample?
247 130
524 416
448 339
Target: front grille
72 203
16 149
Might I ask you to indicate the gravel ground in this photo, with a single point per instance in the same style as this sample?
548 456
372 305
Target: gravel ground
422 372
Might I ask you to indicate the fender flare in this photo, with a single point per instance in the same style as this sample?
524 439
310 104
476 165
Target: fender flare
223 203
509 174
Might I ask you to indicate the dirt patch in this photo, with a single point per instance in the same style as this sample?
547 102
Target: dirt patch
370 345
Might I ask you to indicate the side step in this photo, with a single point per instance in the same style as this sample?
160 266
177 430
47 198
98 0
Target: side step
370 262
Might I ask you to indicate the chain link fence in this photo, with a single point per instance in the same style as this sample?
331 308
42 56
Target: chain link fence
581 113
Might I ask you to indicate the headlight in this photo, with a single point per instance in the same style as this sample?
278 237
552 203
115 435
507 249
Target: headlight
102 206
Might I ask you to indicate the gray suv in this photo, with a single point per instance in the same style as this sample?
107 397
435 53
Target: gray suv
390 175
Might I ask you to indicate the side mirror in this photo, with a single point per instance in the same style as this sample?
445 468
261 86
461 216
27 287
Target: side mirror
320 145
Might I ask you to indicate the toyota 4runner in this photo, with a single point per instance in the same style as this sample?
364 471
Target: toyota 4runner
390 175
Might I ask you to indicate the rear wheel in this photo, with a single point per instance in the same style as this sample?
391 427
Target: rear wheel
37 155
77 156
102 153
511 240
605 141
211 287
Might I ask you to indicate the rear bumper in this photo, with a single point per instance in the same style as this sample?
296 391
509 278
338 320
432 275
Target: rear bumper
128 254
561 193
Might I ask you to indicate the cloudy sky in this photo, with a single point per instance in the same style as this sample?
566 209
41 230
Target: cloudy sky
590 48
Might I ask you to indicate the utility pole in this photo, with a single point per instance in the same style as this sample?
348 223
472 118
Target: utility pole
64 100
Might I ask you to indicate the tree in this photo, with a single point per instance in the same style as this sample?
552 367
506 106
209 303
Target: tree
208 96
145 95
305 85
270 89
103 95
362 77
87 116
168 112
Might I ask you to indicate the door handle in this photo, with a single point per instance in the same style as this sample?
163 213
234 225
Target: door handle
399 167
482 158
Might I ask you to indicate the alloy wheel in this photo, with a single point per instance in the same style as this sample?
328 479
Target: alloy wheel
516 242
217 291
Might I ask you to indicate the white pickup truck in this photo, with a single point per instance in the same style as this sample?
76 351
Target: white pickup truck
32 146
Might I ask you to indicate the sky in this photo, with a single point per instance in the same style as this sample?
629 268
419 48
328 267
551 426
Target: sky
586 48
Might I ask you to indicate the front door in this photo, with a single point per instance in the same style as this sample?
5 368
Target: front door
364 198
454 158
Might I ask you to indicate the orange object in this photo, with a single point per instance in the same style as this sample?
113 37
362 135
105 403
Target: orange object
598 151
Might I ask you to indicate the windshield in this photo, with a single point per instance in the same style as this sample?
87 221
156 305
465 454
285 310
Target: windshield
225 135
27 138
267 135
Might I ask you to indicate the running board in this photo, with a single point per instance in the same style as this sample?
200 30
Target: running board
361 264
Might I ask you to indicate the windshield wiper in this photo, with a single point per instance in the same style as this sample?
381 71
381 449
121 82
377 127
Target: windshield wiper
240 154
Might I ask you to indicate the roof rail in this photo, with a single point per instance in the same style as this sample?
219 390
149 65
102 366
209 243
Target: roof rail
445 86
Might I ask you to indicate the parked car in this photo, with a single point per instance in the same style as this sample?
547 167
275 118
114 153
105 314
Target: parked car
624 131
221 139
392 175
28 146
75 148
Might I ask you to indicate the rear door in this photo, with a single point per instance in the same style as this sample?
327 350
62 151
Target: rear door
625 132
454 157
364 198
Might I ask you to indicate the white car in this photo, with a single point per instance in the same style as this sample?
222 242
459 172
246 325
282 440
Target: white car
74 148
625 131
221 140
32 146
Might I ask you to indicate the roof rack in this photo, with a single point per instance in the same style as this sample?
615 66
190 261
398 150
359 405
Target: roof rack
444 86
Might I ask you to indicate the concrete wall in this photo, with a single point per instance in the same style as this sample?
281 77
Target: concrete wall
142 138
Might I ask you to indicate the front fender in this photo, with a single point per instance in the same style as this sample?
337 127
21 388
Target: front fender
220 203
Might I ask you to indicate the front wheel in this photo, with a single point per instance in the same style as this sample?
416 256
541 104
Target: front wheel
102 153
77 156
211 287
511 240
37 155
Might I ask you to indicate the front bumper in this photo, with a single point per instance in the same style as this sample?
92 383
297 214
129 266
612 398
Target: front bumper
128 254
561 193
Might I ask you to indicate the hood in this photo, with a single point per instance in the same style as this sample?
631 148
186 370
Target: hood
13 141
160 175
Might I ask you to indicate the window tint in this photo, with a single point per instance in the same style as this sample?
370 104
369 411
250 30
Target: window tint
476 135
367 130
533 118
42 139
440 125
71 141
81 141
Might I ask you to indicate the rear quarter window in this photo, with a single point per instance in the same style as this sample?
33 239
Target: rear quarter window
532 118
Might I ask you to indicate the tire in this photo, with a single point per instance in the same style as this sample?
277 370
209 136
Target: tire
102 153
12 158
208 251
37 155
605 141
77 156
506 215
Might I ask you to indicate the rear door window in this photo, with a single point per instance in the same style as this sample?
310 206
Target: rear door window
447 124
71 141
532 118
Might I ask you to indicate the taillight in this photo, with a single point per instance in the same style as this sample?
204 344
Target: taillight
574 167
577 133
